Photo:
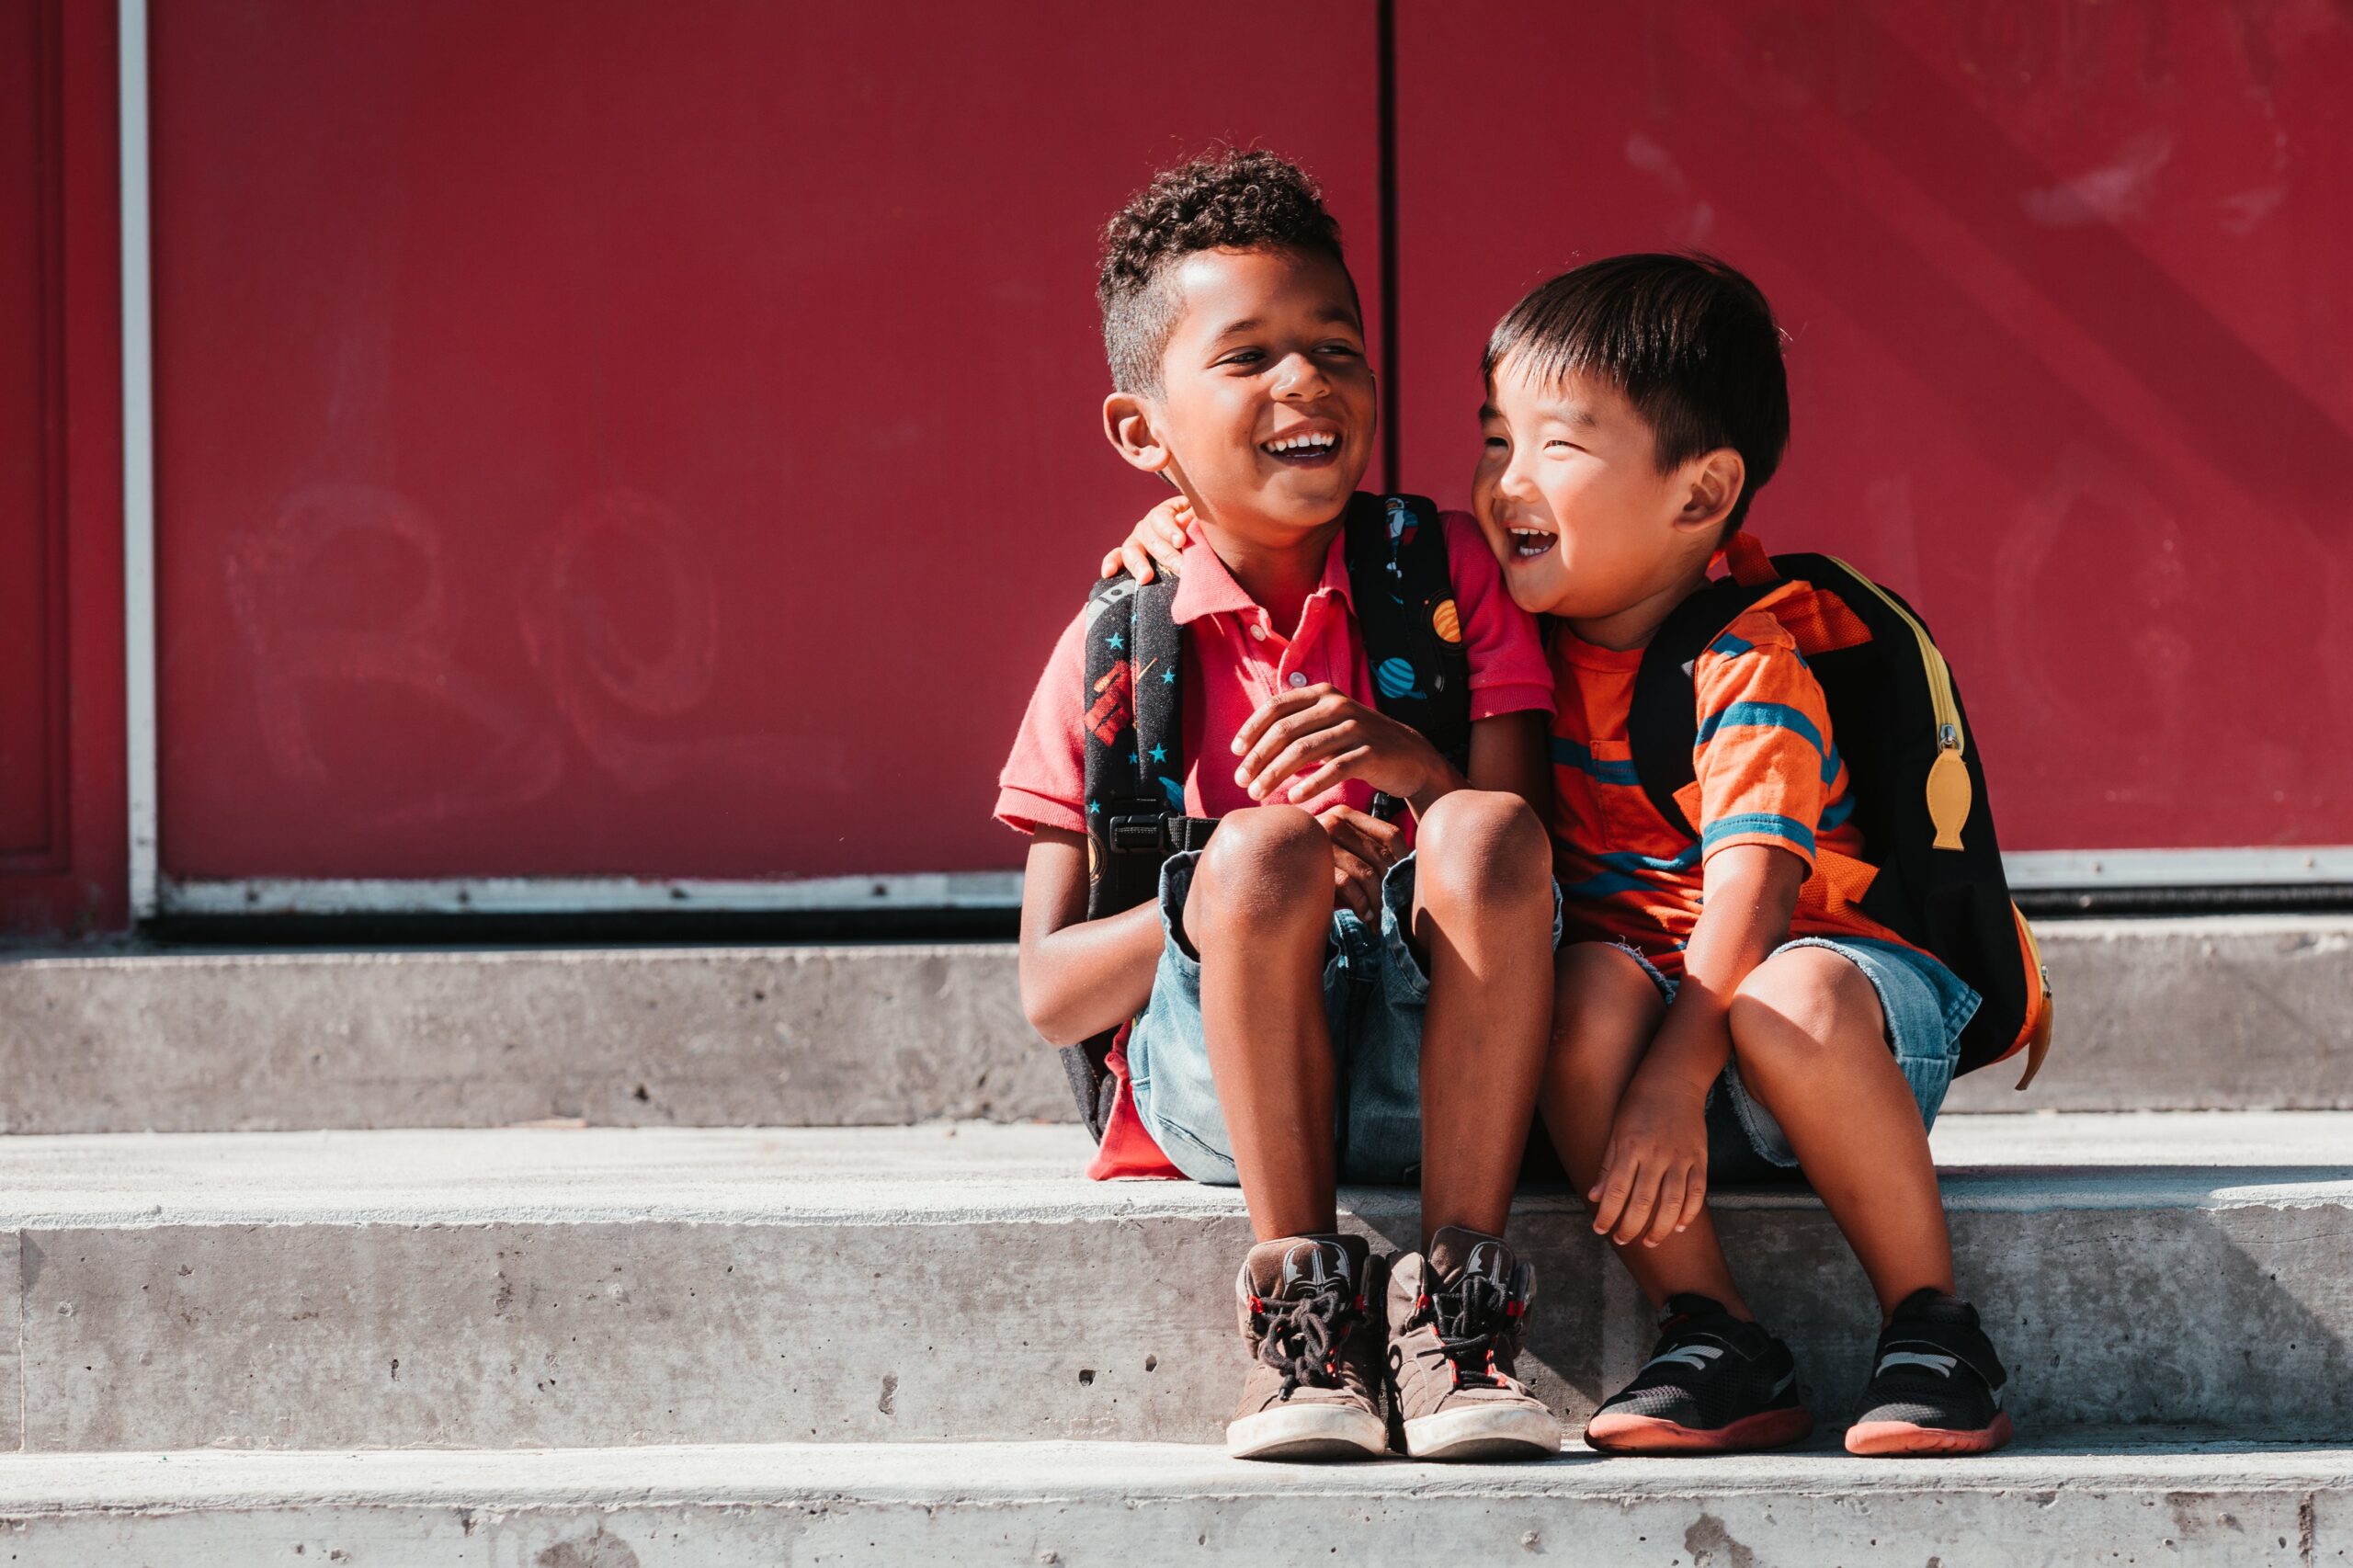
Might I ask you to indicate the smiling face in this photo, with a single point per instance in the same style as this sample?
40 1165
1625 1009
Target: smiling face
1571 498
1266 410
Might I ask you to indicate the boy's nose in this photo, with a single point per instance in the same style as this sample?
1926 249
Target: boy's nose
1299 376
1514 481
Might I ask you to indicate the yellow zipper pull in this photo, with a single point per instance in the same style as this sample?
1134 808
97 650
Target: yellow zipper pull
1949 790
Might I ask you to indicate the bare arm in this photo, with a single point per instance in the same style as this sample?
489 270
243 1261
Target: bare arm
1654 1174
1752 890
1079 977
1508 752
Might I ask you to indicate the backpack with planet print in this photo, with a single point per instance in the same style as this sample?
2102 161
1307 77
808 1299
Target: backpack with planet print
1403 594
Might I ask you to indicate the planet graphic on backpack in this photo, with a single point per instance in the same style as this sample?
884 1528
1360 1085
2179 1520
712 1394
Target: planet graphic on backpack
1395 678
1447 621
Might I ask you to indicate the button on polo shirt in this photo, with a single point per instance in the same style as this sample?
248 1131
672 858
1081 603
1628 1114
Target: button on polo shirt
1236 659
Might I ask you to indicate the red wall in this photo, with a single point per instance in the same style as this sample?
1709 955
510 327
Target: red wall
2069 293
645 438
62 866
662 441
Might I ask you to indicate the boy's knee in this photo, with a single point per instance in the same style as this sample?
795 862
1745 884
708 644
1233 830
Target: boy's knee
1803 1004
1482 847
1264 864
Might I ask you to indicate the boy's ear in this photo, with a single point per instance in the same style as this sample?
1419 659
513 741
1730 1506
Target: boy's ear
1717 479
1129 425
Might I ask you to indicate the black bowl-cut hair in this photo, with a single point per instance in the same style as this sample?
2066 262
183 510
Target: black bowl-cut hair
1229 200
1689 340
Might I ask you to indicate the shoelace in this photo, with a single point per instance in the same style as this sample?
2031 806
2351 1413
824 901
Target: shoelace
1455 1312
1301 1335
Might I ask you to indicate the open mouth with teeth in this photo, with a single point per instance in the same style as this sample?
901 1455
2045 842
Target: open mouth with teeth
1308 448
1527 544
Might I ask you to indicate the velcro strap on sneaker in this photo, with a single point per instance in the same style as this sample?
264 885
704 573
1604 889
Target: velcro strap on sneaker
1922 1345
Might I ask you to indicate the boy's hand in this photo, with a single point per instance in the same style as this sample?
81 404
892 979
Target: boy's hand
1363 848
1302 742
1654 1177
1160 536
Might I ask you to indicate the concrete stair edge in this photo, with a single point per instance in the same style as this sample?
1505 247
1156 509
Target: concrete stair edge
2066 1497
2222 1012
632 1291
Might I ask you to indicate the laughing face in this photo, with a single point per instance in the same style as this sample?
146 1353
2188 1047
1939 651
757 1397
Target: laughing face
1266 413
1571 500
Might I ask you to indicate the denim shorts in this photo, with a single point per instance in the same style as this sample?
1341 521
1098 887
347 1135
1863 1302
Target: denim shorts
1374 995
1926 1006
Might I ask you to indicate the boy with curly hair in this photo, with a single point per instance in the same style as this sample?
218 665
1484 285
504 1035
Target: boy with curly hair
1319 994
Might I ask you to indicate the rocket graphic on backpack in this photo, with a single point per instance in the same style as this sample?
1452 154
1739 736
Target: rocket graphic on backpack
1918 784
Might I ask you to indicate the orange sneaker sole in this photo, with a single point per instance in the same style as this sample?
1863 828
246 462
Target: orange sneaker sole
1621 1434
1898 1438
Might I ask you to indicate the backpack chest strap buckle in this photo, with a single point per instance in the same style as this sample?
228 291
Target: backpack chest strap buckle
1159 834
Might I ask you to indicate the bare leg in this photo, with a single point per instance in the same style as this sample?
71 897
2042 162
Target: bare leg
1811 1039
1605 1011
1482 914
1260 914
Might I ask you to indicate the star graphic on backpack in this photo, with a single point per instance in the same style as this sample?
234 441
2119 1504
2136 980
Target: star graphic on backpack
1159 753
1115 641
1168 675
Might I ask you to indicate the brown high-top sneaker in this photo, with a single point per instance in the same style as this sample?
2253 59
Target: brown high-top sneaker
1455 1320
1310 1309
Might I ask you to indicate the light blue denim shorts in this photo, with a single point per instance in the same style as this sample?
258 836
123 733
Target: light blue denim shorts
1375 992
1926 1006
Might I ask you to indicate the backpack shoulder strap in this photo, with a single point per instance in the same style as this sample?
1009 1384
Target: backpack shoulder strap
1134 741
1664 716
1402 591
1134 751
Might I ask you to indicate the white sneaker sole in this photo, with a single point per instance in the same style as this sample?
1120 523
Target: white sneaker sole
1308 1432
1485 1432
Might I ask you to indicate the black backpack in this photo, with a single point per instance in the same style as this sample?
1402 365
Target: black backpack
1403 596
1918 787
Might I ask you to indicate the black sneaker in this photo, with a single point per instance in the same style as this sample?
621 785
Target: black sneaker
1713 1384
1936 1384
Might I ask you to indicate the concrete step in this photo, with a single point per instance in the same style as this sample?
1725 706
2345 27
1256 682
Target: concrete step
2222 1014
595 1288
2063 1498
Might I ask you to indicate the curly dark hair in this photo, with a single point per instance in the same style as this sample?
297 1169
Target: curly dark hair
1232 200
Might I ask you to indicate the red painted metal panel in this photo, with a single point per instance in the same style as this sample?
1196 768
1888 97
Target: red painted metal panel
2069 290
62 828
651 439
32 674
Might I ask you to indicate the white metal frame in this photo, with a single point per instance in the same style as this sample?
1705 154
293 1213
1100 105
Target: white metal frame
138 456
2031 871
153 894
2255 867
591 895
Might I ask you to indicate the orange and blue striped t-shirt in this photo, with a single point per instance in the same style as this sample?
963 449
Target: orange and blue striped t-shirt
1767 772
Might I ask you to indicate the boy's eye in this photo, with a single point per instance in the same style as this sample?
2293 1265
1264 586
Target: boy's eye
1498 441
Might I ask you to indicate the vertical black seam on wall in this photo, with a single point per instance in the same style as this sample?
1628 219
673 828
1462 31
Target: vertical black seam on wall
1385 47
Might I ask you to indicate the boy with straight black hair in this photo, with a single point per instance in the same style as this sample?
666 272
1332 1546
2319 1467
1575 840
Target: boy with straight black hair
1726 1009
1327 991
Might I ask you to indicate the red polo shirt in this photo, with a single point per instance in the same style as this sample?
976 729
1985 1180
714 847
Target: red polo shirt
1235 660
